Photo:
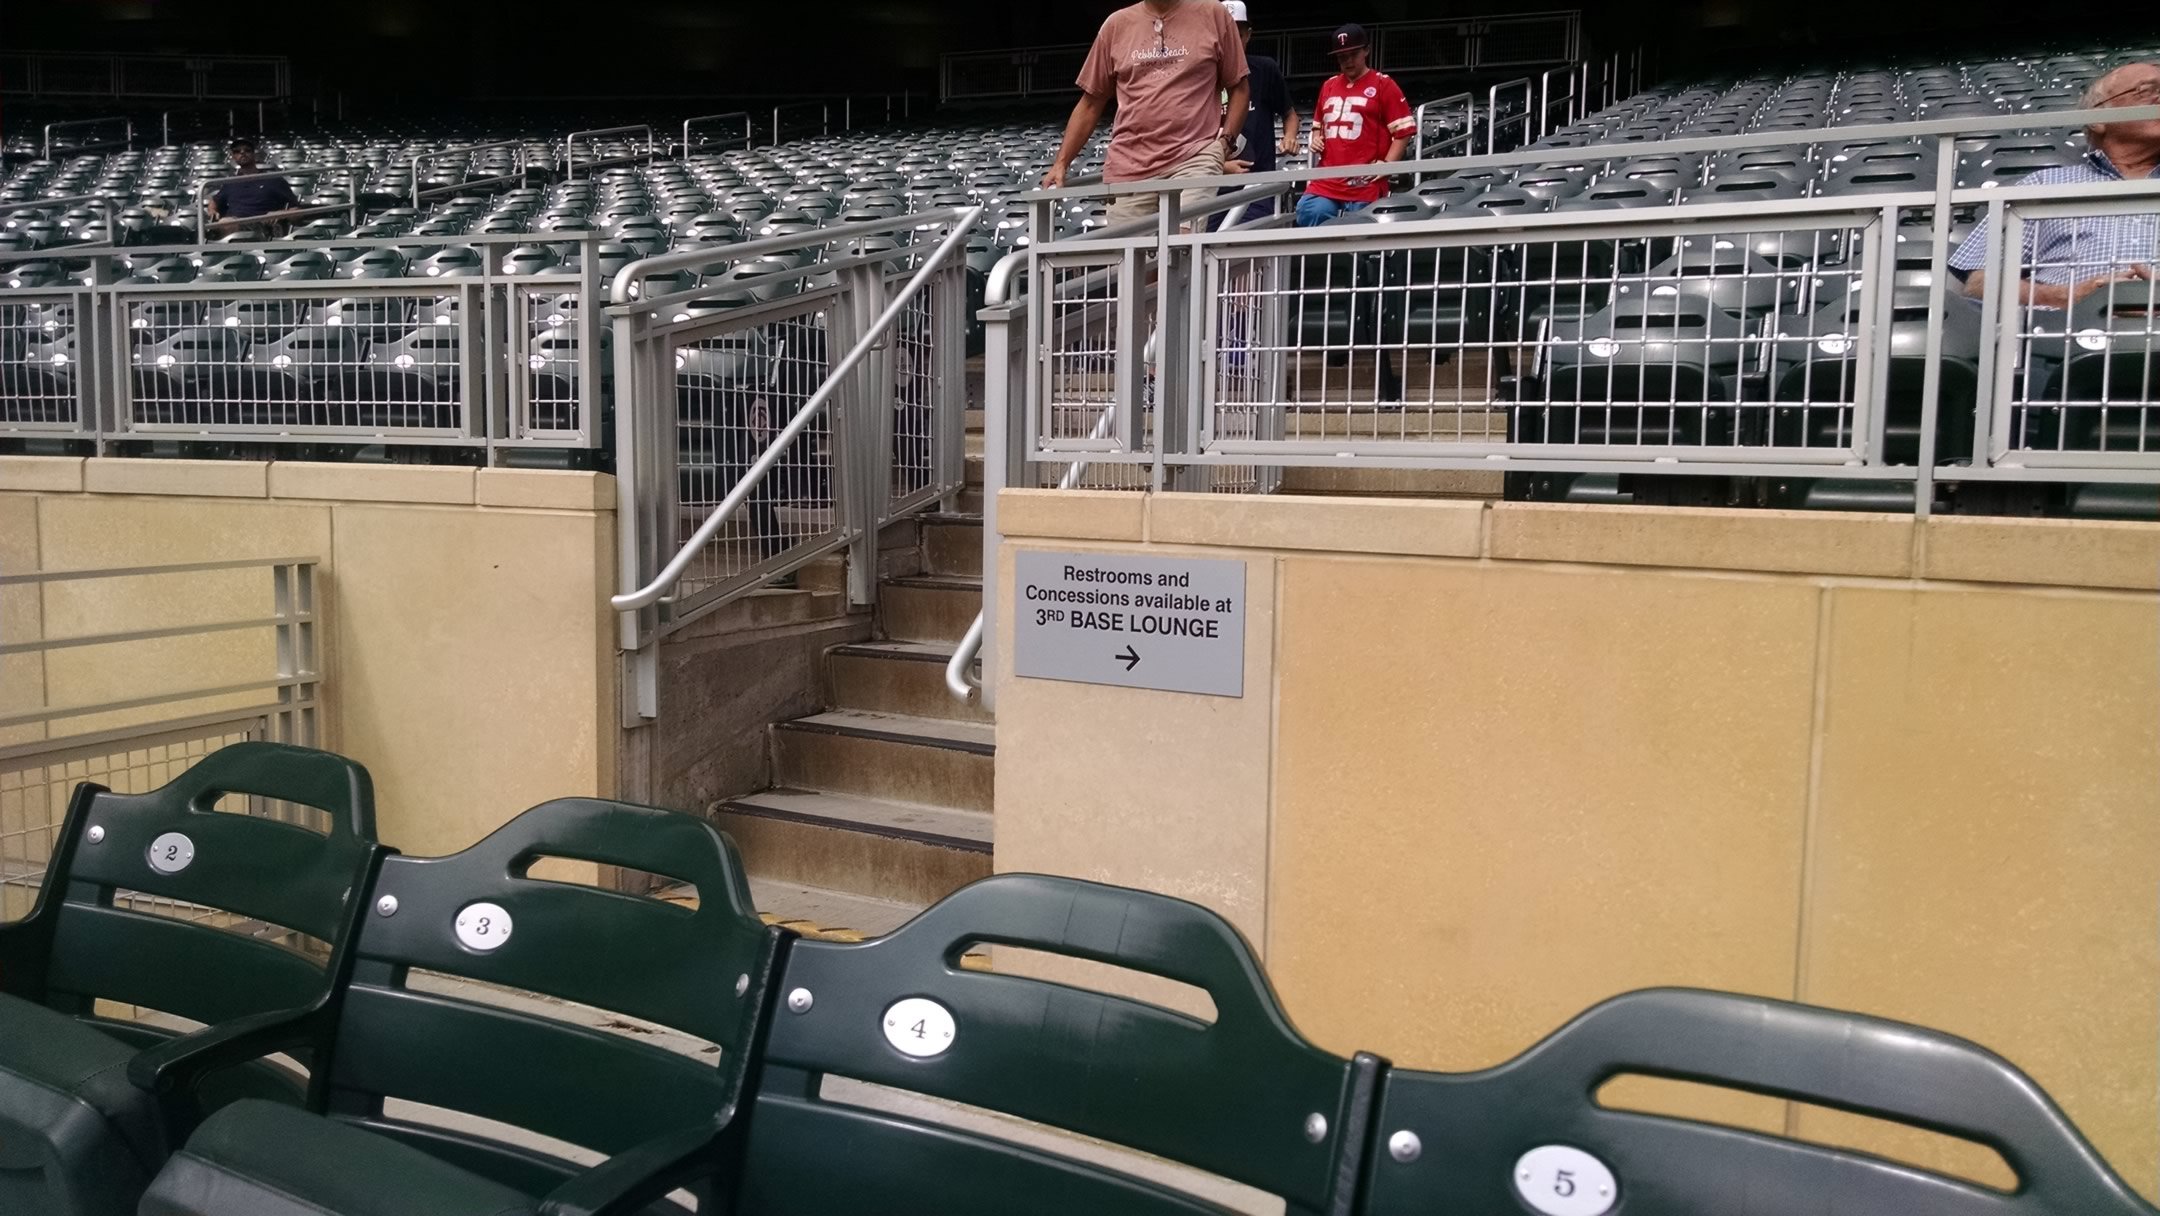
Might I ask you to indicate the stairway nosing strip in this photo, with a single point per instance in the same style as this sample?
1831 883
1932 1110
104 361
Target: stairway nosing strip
885 736
861 650
742 806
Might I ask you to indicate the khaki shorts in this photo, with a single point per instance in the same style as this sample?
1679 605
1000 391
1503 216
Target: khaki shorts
1207 162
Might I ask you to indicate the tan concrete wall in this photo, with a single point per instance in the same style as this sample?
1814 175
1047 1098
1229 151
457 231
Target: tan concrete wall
467 644
1499 762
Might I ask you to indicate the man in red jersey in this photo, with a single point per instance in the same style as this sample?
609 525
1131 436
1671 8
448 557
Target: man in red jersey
1363 119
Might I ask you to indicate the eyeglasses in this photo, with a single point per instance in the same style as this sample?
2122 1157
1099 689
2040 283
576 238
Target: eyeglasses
2148 91
1161 43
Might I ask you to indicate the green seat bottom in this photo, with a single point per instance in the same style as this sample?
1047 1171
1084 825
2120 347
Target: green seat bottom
75 1136
259 1158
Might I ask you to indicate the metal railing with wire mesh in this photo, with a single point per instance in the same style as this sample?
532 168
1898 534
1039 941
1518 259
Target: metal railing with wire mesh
1823 345
480 343
789 410
235 651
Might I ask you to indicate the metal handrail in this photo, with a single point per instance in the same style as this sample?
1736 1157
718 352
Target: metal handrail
570 145
1983 124
706 255
672 573
88 122
1492 111
749 129
467 150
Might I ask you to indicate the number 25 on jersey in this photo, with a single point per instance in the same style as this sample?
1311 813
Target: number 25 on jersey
1342 117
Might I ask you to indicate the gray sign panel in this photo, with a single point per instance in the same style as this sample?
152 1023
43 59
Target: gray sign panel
1135 622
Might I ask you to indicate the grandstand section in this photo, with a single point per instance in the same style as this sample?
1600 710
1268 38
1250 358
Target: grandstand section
1688 532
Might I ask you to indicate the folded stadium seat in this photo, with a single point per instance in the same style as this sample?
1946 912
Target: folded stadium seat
307 375
1814 359
1791 249
1645 369
531 259
660 1117
302 265
165 902
416 368
1551 184
1532 1136
1240 1096
374 264
1660 172
2001 167
2106 398
1445 192
190 377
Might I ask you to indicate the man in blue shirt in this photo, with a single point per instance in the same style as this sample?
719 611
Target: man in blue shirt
2066 259
253 195
1257 148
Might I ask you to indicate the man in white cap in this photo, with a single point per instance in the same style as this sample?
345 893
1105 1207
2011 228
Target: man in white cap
1270 104
1166 63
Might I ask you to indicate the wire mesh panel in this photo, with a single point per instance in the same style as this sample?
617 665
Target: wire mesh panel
2084 330
344 362
918 389
35 786
1091 354
736 389
548 398
1525 41
1427 46
987 74
41 363
1691 340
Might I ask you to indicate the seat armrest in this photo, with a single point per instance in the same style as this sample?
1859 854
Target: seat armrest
176 1067
629 1181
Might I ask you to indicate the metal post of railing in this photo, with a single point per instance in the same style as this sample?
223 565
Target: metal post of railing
1938 290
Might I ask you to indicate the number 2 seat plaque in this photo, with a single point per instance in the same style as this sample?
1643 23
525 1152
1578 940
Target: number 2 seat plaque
919 1028
171 853
483 927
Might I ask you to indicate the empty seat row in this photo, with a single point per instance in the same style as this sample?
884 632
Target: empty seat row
478 1034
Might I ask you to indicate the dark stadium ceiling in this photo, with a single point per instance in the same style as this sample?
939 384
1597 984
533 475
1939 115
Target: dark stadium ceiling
668 48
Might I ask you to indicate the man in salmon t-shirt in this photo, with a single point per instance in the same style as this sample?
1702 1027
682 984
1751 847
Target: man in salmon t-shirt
1167 63
1363 119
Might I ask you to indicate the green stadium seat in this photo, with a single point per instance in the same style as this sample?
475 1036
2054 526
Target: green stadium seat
1530 1136
659 1116
1244 1098
76 1139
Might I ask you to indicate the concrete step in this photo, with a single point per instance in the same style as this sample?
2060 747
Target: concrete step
825 913
928 609
953 546
971 501
974 469
892 757
893 852
897 678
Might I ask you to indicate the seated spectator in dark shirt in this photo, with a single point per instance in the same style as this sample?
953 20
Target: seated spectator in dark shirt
253 195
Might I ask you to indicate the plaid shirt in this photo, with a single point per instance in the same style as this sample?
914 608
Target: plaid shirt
2081 247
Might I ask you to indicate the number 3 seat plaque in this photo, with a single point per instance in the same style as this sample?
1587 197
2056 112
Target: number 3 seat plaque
483 927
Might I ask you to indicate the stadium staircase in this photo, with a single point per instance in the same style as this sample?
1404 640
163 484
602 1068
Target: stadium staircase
881 805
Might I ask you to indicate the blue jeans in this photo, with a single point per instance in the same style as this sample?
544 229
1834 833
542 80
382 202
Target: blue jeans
1313 210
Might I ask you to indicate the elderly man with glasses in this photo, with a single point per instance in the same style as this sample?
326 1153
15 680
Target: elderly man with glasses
2067 259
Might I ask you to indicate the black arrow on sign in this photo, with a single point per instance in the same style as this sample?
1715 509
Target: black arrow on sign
1131 658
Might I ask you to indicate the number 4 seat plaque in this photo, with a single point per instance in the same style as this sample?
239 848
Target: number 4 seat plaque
919 1028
